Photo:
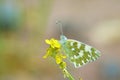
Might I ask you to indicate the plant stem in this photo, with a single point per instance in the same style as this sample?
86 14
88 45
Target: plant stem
68 75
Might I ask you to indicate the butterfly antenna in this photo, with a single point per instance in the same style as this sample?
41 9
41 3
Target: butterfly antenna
60 24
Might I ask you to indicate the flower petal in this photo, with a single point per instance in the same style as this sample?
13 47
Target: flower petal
48 53
58 59
47 41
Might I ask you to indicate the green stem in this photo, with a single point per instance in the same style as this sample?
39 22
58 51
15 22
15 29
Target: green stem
68 75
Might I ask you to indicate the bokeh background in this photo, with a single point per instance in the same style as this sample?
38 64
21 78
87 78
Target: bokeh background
25 24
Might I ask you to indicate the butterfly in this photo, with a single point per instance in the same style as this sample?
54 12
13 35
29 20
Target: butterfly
77 52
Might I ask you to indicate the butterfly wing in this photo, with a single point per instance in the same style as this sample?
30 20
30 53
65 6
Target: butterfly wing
80 53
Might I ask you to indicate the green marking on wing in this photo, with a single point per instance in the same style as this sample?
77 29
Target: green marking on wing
80 53
95 54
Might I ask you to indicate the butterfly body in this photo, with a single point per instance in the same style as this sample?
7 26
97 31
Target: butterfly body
78 53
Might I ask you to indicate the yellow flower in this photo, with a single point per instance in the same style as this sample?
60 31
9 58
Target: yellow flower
53 49
59 58
48 53
53 43
63 65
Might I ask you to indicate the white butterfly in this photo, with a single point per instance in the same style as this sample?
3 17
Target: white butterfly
78 53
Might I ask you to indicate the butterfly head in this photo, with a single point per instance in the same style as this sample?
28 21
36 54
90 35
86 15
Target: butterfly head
63 39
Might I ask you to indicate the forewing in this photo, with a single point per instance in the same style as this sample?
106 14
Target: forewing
80 53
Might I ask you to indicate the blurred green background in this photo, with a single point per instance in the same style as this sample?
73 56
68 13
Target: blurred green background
25 24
